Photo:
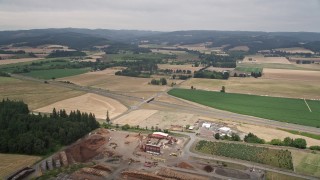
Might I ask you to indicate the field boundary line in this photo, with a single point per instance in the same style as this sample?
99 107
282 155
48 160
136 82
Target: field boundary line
307 105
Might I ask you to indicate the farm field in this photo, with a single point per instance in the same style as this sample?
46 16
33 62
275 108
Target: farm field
35 94
98 105
240 48
106 79
14 61
279 109
268 133
296 75
274 175
56 73
155 118
12 162
263 155
306 163
260 59
259 86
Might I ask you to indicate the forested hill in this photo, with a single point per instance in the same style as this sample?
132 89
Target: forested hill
21 132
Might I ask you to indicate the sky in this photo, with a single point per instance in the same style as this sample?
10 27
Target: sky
162 15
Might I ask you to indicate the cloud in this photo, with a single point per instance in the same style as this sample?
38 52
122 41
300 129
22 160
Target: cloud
262 15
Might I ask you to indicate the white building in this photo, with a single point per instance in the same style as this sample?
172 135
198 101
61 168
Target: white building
191 127
206 125
225 130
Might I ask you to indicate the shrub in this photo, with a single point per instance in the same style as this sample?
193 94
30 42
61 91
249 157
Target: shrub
125 127
251 138
317 148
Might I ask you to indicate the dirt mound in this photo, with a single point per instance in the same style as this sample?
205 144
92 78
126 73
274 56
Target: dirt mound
102 131
168 173
185 165
208 168
86 149
140 175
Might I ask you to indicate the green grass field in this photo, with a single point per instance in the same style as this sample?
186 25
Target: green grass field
56 73
250 69
310 135
279 109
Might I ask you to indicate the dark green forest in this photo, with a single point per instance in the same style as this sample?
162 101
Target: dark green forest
25 133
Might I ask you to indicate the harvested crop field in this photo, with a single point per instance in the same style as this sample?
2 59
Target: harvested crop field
161 119
259 86
259 59
12 162
135 117
268 133
98 105
35 94
13 61
296 75
121 84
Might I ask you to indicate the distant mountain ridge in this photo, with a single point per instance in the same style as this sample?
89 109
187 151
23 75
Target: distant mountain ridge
87 38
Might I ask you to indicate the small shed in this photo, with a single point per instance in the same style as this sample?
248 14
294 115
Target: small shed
206 125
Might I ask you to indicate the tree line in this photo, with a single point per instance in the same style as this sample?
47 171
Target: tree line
21 132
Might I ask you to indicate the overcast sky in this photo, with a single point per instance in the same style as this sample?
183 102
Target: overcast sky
164 15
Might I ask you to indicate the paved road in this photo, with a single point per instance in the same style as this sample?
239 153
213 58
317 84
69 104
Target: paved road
193 139
200 110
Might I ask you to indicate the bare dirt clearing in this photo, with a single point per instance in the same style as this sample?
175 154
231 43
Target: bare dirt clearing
98 105
12 162
287 74
259 86
12 61
160 119
268 134
35 94
260 59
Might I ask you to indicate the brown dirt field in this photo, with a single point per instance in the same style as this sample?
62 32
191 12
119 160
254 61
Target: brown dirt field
135 117
259 86
12 61
260 59
295 50
162 119
165 172
185 165
286 74
240 48
268 134
35 94
12 162
121 84
98 105
182 67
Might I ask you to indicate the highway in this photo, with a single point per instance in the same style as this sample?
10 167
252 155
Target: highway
189 108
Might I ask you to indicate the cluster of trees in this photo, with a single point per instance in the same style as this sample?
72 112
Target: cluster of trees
211 74
251 138
256 74
233 137
4 74
138 68
298 143
161 81
127 127
177 71
181 77
59 53
12 52
221 61
21 132
121 47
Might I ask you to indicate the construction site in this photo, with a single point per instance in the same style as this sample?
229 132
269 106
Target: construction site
105 154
